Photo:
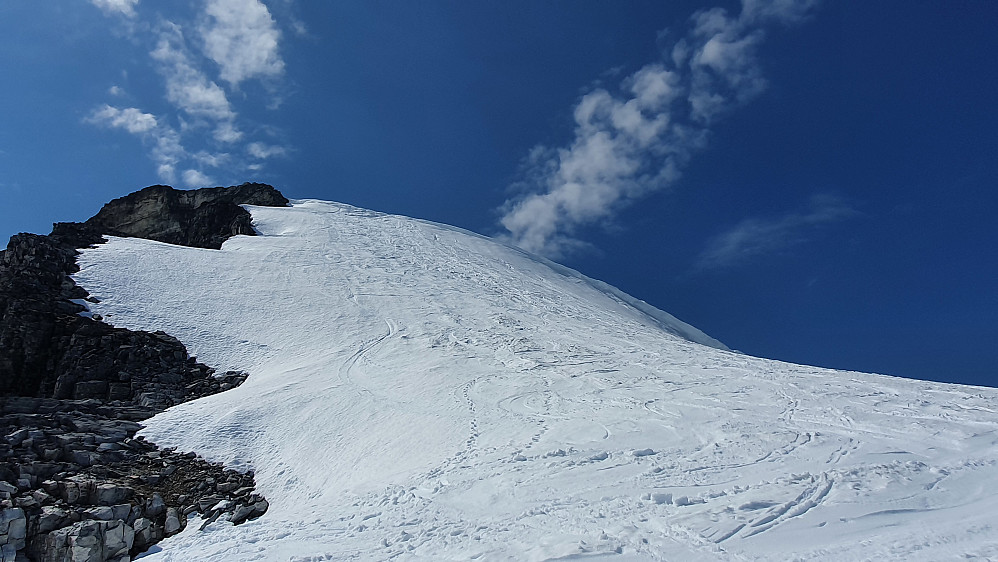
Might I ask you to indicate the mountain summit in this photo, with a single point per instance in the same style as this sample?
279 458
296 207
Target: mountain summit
417 391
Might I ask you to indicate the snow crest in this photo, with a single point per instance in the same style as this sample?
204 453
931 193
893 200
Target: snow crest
418 392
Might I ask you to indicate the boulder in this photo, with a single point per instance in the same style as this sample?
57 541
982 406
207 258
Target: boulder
110 494
70 491
88 541
51 519
146 532
118 539
100 513
241 514
173 524
155 506
13 527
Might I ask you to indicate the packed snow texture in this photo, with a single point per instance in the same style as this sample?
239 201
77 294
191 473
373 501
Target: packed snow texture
420 392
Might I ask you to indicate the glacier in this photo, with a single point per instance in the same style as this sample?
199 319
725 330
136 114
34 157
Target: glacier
420 392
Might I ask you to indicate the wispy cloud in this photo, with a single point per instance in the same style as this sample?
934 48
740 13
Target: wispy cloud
637 139
164 142
120 7
241 37
195 178
130 119
226 43
757 237
167 153
299 27
189 89
263 151
212 159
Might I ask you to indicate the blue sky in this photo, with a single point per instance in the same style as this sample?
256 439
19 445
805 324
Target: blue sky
807 181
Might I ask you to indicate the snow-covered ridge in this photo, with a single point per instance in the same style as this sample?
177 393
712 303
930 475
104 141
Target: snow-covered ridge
665 320
417 391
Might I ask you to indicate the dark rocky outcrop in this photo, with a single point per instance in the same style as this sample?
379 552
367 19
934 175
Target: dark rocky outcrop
203 218
73 477
48 350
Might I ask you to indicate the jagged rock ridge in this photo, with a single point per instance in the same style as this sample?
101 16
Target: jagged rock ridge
72 476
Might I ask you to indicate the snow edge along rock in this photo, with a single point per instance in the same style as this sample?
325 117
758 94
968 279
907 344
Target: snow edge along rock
73 389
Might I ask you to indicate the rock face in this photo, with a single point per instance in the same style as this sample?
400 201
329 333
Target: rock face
75 483
48 350
203 218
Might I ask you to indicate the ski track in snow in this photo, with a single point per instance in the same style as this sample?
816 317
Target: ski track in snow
419 392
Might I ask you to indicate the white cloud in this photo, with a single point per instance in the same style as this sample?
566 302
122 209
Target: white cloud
165 149
623 148
122 7
242 38
638 139
186 86
263 151
755 237
194 178
723 68
212 160
131 119
189 89
227 132
167 152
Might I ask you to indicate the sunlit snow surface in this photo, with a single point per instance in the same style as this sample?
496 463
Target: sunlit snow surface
420 392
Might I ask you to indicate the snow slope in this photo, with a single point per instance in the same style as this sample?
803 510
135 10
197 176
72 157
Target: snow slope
420 392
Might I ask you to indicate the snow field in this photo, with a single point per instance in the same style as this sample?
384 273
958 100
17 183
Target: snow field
419 392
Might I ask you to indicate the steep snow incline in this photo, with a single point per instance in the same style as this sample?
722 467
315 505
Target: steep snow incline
423 393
